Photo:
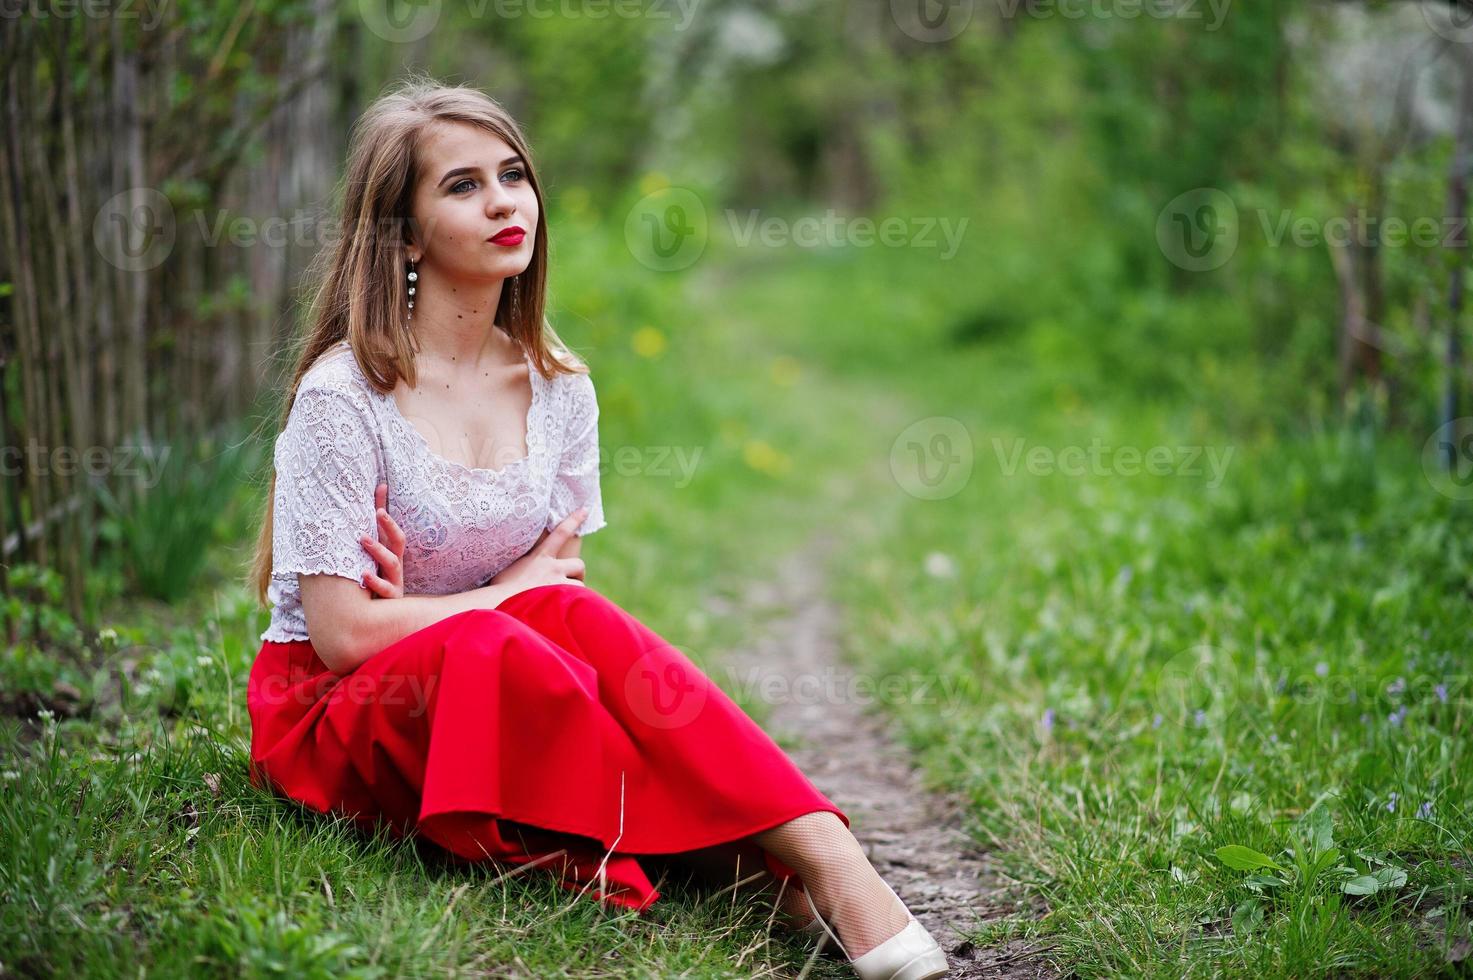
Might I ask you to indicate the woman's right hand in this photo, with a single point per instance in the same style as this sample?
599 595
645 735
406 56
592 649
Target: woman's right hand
541 565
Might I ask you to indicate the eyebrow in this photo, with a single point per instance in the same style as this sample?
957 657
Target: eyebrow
460 171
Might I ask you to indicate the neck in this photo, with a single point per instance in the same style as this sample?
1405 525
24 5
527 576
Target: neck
454 323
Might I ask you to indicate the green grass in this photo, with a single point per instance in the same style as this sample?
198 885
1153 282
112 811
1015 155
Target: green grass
1131 671
1125 672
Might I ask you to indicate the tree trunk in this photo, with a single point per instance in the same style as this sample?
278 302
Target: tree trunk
1457 209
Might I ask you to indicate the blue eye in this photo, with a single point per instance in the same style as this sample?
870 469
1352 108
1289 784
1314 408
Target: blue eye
455 188
514 170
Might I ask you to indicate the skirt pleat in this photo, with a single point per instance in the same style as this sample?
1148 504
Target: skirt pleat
555 730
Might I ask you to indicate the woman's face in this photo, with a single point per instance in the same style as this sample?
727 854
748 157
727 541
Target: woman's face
473 187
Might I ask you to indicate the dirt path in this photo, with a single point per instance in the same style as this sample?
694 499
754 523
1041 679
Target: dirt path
914 837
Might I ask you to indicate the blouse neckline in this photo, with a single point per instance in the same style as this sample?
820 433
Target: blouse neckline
533 437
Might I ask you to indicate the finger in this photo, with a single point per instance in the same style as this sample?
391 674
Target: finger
381 496
573 567
380 587
560 534
387 560
391 531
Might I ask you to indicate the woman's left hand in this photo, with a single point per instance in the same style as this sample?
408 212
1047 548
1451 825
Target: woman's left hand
388 551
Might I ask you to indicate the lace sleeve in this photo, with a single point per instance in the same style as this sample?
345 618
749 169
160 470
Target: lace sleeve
326 471
577 480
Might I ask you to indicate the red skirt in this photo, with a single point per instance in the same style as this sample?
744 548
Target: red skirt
555 729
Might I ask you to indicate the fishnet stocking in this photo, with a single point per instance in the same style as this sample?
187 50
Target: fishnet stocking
742 864
849 892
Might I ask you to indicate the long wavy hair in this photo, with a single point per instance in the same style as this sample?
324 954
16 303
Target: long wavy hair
359 282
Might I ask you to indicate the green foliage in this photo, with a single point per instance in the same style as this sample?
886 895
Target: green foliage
162 532
33 602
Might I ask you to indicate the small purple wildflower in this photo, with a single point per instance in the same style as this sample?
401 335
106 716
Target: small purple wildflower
1424 812
1048 720
1322 669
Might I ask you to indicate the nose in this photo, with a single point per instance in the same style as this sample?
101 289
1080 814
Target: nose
500 203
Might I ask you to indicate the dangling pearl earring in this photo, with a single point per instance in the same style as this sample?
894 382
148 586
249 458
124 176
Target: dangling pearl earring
413 276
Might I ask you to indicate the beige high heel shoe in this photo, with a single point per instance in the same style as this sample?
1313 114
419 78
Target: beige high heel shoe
910 954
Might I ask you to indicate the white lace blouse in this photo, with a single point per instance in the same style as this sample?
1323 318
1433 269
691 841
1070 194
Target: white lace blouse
462 525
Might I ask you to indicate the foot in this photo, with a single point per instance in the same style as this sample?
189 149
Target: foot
849 893
864 913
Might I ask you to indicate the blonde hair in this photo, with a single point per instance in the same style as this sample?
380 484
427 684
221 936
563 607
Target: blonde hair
360 283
